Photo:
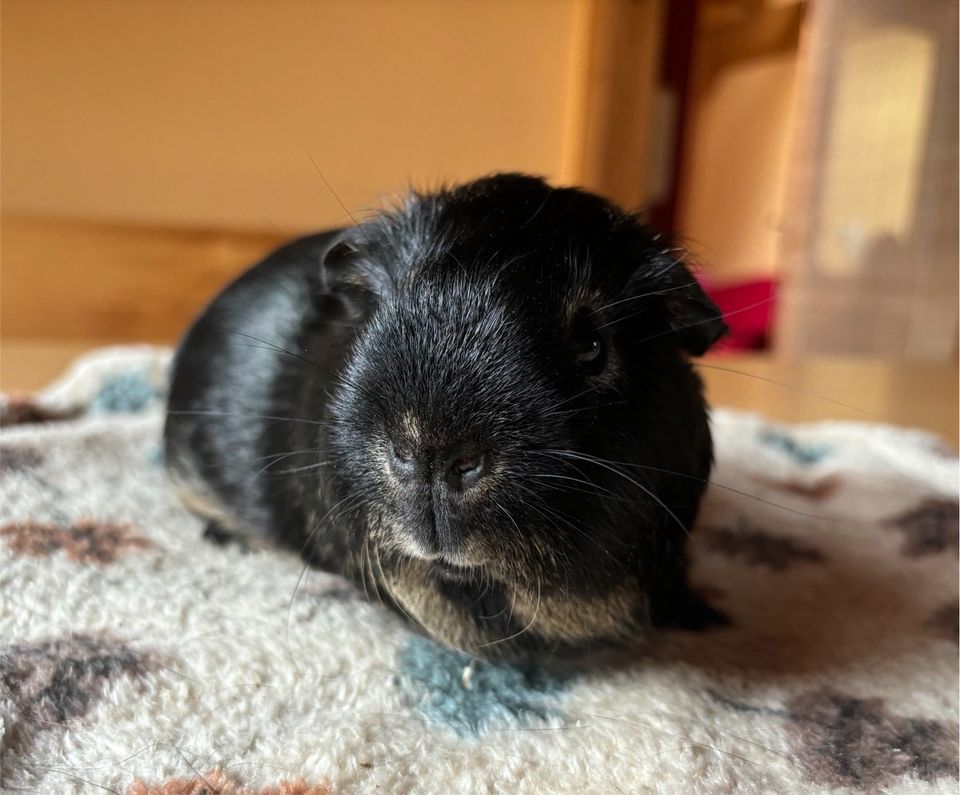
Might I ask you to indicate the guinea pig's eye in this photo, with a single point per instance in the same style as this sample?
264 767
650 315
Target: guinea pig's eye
588 347
590 350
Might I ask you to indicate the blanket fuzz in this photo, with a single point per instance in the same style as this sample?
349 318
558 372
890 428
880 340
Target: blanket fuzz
137 659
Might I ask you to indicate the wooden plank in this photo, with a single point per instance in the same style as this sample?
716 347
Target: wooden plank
615 58
909 393
91 280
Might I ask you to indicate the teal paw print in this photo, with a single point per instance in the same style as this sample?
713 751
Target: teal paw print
125 393
804 454
471 696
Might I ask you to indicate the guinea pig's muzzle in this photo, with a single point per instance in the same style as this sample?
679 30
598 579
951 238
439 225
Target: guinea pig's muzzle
435 487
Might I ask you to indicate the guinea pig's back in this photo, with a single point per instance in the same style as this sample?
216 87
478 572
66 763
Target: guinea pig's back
235 377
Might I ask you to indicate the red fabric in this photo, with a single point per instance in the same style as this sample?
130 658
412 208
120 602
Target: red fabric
748 309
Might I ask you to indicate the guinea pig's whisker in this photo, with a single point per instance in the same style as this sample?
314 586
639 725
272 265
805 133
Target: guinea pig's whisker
256 460
536 612
486 583
586 391
296 470
361 564
343 382
552 517
508 262
398 602
547 519
268 417
513 606
693 283
338 324
365 549
283 457
674 716
591 491
458 262
591 407
337 376
509 516
783 385
303 573
695 478
605 465
353 502
652 727
675 329
818 517
269 346
537 211
333 192
484 589
591 487
285 453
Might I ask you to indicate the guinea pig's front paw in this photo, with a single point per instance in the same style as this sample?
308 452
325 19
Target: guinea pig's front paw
685 609
217 534
222 536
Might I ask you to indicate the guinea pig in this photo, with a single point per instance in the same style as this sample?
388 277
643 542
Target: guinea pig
477 406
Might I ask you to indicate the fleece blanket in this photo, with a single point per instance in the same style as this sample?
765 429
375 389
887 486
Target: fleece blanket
136 658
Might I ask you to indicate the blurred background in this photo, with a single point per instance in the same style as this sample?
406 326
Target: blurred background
805 152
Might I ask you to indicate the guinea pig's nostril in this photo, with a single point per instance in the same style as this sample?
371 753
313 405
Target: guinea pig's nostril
402 453
465 471
467 464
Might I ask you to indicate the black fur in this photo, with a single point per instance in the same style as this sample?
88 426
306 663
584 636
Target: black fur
540 333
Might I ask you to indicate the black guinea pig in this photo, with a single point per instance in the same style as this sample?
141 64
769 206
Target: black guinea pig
477 406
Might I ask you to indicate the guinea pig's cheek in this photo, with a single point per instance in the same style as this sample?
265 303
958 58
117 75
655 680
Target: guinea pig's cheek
402 531
396 495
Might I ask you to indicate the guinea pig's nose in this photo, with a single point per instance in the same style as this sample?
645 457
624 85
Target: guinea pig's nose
466 468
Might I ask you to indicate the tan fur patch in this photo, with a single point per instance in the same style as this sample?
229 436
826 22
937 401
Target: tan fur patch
577 618
411 429
206 506
551 617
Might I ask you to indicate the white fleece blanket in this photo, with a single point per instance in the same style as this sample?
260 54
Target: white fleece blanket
136 658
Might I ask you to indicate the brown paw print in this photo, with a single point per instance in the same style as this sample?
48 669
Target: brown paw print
24 409
928 529
216 782
945 621
84 541
821 489
758 548
841 741
17 458
57 681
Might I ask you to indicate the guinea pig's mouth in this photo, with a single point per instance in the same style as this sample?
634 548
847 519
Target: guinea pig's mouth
421 535
454 561
454 570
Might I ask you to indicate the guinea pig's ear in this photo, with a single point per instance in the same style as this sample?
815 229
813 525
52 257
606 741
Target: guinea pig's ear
337 259
347 274
695 321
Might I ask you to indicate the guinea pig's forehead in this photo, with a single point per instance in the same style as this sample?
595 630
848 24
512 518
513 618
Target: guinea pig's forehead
447 324
431 296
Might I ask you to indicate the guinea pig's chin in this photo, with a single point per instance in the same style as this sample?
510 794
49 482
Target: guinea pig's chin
412 547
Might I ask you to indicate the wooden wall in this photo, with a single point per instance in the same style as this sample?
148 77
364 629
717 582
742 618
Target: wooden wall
204 113
153 149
